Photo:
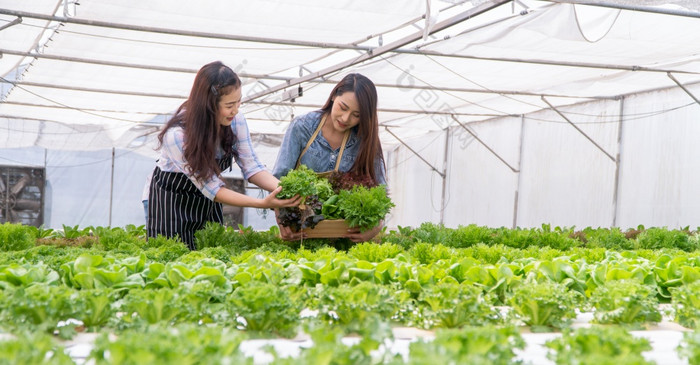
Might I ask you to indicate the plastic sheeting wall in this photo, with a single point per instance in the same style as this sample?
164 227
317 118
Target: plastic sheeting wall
78 187
563 178
480 185
660 166
413 185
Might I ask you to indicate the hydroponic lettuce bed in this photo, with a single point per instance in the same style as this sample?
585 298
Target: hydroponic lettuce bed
420 296
664 339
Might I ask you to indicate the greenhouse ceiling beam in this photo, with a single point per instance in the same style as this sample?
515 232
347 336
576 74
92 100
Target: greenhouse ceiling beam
552 63
614 5
414 152
385 110
579 130
178 32
683 87
482 91
57 106
662 88
372 53
128 65
94 90
282 78
14 22
183 97
485 145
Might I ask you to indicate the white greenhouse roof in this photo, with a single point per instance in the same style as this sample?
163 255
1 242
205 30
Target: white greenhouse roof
103 74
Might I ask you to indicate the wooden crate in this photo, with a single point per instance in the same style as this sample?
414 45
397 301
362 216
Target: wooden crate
328 228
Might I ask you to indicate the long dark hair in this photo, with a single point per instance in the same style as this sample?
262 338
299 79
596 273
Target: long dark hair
368 128
197 116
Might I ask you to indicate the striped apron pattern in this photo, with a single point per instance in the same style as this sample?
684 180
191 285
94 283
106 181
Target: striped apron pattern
177 208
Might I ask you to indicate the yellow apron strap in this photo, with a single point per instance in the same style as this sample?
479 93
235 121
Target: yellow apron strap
313 137
311 140
342 149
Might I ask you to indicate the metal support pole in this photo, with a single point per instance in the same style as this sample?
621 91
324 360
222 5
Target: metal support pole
415 153
683 87
111 190
89 61
616 189
578 129
444 175
520 162
43 194
618 5
178 32
484 144
14 22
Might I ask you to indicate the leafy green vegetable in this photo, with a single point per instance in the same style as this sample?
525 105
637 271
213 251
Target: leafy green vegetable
154 305
300 181
37 307
656 238
686 305
352 306
625 302
25 274
598 345
451 305
95 271
364 208
95 307
182 344
330 208
544 305
373 252
330 349
16 237
359 201
689 347
30 349
324 190
265 308
480 345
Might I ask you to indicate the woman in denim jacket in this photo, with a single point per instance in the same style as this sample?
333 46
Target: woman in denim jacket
343 136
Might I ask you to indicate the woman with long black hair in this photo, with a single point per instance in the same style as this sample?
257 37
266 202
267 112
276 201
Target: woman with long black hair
342 136
196 145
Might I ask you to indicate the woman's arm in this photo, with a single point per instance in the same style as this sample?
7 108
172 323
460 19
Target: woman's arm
230 197
265 180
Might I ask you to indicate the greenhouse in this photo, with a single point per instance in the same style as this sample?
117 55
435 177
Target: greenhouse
540 167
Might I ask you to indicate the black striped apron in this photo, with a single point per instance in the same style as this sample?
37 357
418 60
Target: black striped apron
176 207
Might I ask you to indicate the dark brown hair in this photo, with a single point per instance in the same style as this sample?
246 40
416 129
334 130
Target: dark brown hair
368 128
197 116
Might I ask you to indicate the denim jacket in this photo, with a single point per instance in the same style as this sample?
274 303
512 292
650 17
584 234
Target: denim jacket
320 157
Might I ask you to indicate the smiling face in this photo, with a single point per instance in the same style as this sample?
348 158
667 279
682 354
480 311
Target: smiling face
345 113
228 107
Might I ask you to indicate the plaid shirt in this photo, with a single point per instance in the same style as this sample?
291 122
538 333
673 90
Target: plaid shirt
172 160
